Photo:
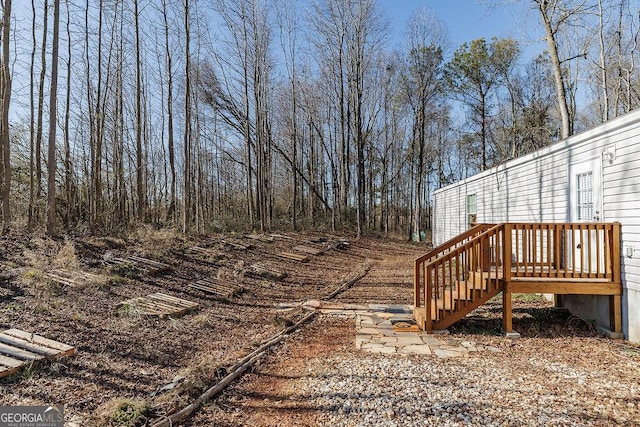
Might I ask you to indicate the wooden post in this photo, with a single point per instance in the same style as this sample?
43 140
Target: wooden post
617 278
615 303
485 248
557 300
507 323
507 253
416 284
427 300
615 257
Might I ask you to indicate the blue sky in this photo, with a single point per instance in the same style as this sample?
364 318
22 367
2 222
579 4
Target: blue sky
471 19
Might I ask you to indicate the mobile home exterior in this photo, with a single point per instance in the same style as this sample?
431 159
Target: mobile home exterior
590 177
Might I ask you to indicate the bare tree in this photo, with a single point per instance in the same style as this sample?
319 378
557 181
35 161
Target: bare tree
53 98
556 16
5 102
329 24
169 102
36 185
140 165
186 219
96 116
351 31
422 83
32 119
67 130
288 22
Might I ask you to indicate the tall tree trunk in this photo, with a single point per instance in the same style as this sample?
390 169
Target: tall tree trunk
5 101
96 119
119 181
345 138
603 65
32 121
186 221
558 75
294 146
39 130
170 133
53 98
360 143
139 155
483 130
67 144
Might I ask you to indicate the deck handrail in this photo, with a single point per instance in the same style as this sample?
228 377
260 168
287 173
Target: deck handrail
490 255
441 276
470 233
446 246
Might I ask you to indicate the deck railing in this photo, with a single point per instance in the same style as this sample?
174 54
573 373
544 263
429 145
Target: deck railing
446 247
459 275
476 264
562 251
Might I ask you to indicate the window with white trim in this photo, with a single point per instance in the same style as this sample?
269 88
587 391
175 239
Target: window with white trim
471 210
584 187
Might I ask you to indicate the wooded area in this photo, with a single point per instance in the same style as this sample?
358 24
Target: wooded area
209 115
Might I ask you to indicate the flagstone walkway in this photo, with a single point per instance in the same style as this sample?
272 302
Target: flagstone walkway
391 329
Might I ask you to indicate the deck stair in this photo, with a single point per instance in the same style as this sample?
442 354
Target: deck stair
488 259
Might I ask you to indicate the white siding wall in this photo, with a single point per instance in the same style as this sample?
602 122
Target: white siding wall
535 188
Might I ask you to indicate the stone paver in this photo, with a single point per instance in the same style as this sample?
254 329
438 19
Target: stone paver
411 340
445 354
416 349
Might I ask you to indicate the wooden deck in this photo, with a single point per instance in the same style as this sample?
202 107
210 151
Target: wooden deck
560 259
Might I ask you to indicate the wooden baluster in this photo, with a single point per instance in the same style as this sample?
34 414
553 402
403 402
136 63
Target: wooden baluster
451 284
567 239
529 228
573 250
517 252
434 283
428 298
549 250
459 279
582 251
525 252
480 250
608 268
534 249
441 289
599 237
589 250
556 250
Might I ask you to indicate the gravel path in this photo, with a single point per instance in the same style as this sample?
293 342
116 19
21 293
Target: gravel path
533 384
318 378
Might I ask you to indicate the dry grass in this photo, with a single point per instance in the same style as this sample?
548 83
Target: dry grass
66 257
46 253
157 241
123 413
